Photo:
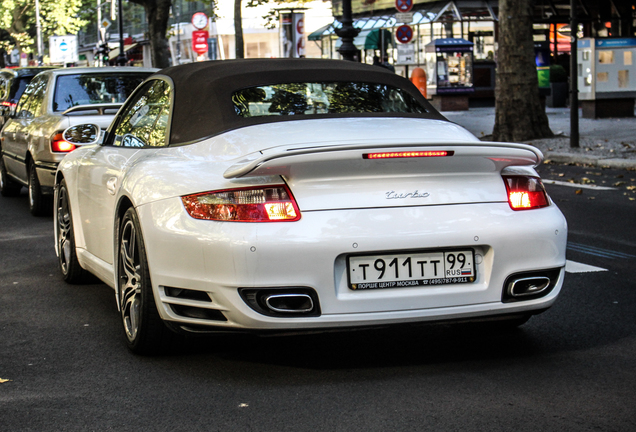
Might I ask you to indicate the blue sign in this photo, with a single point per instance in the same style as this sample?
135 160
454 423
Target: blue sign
63 46
616 43
583 43
404 5
404 33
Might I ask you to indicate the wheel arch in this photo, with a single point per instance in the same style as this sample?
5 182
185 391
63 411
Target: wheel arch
28 160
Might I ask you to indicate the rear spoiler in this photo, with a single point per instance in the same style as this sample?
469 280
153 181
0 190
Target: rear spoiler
100 108
274 160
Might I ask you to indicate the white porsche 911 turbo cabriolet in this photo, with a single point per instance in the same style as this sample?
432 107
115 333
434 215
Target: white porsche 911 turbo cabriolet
299 194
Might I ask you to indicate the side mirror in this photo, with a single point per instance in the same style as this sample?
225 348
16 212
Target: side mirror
84 134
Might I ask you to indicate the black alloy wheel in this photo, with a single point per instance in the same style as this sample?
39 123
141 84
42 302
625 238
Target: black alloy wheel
8 187
39 204
144 329
67 257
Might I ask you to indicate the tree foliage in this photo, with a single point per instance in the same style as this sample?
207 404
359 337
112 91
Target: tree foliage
18 20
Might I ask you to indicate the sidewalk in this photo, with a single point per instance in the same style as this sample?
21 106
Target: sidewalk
607 143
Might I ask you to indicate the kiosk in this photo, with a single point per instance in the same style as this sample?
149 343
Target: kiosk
449 64
607 77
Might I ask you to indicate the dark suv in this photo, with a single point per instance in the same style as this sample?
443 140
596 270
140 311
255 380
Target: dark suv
12 85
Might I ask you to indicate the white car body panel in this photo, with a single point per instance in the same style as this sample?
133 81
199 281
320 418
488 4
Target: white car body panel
220 258
346 208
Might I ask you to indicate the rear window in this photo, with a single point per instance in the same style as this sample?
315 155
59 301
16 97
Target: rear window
323 98
17 87
86 89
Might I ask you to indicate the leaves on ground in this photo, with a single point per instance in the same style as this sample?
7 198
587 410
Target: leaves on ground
2 380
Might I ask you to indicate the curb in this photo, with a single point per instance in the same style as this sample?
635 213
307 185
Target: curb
591 160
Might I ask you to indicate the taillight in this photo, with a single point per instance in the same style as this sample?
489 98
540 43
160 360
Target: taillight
525 193
60 145
262 204
407 154
9 104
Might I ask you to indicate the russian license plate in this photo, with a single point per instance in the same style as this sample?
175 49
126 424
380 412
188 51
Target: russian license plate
411 269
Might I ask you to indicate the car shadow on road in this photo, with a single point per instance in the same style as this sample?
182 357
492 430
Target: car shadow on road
373 348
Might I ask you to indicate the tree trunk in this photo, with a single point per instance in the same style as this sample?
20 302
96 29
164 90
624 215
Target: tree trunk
519 113
238 30
157 13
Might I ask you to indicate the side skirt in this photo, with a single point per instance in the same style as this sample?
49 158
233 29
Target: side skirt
104 271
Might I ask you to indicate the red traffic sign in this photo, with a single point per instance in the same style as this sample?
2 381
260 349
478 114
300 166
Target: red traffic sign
404 5
404 33
200 41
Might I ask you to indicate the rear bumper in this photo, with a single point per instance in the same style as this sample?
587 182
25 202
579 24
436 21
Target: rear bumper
46 176
220 258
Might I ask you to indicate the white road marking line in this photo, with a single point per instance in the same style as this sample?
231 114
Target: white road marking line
577 267
578 185
15 237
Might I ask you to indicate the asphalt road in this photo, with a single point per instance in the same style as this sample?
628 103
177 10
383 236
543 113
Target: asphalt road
572 368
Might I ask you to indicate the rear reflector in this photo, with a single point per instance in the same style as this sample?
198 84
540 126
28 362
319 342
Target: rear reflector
411 154
263 204
525 193
60 145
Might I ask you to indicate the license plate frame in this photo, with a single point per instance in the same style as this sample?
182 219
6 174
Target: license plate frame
422 262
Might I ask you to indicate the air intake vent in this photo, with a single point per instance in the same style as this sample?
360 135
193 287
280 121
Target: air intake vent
187 294
198 313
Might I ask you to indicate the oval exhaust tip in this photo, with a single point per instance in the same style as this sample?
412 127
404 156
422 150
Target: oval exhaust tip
290 303
528 286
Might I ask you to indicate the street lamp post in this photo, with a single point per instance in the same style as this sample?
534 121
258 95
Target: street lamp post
178 33
121 58
347 32
39 31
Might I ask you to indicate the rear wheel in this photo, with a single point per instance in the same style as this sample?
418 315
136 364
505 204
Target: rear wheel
144 329
69 265
39 204
8 187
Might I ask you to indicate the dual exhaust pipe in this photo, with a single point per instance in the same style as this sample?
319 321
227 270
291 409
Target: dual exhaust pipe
289 303
282 302
530 285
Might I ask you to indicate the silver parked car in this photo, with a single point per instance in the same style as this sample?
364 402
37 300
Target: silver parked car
13 82
31 142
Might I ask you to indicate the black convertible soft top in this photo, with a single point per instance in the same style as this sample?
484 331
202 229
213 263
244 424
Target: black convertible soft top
203 91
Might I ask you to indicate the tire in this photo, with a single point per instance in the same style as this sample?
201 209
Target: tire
70 267
39 204
8 187
144 330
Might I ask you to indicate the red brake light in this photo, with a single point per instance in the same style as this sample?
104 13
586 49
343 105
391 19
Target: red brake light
60 145
525 193
262 204
407 154
9 104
